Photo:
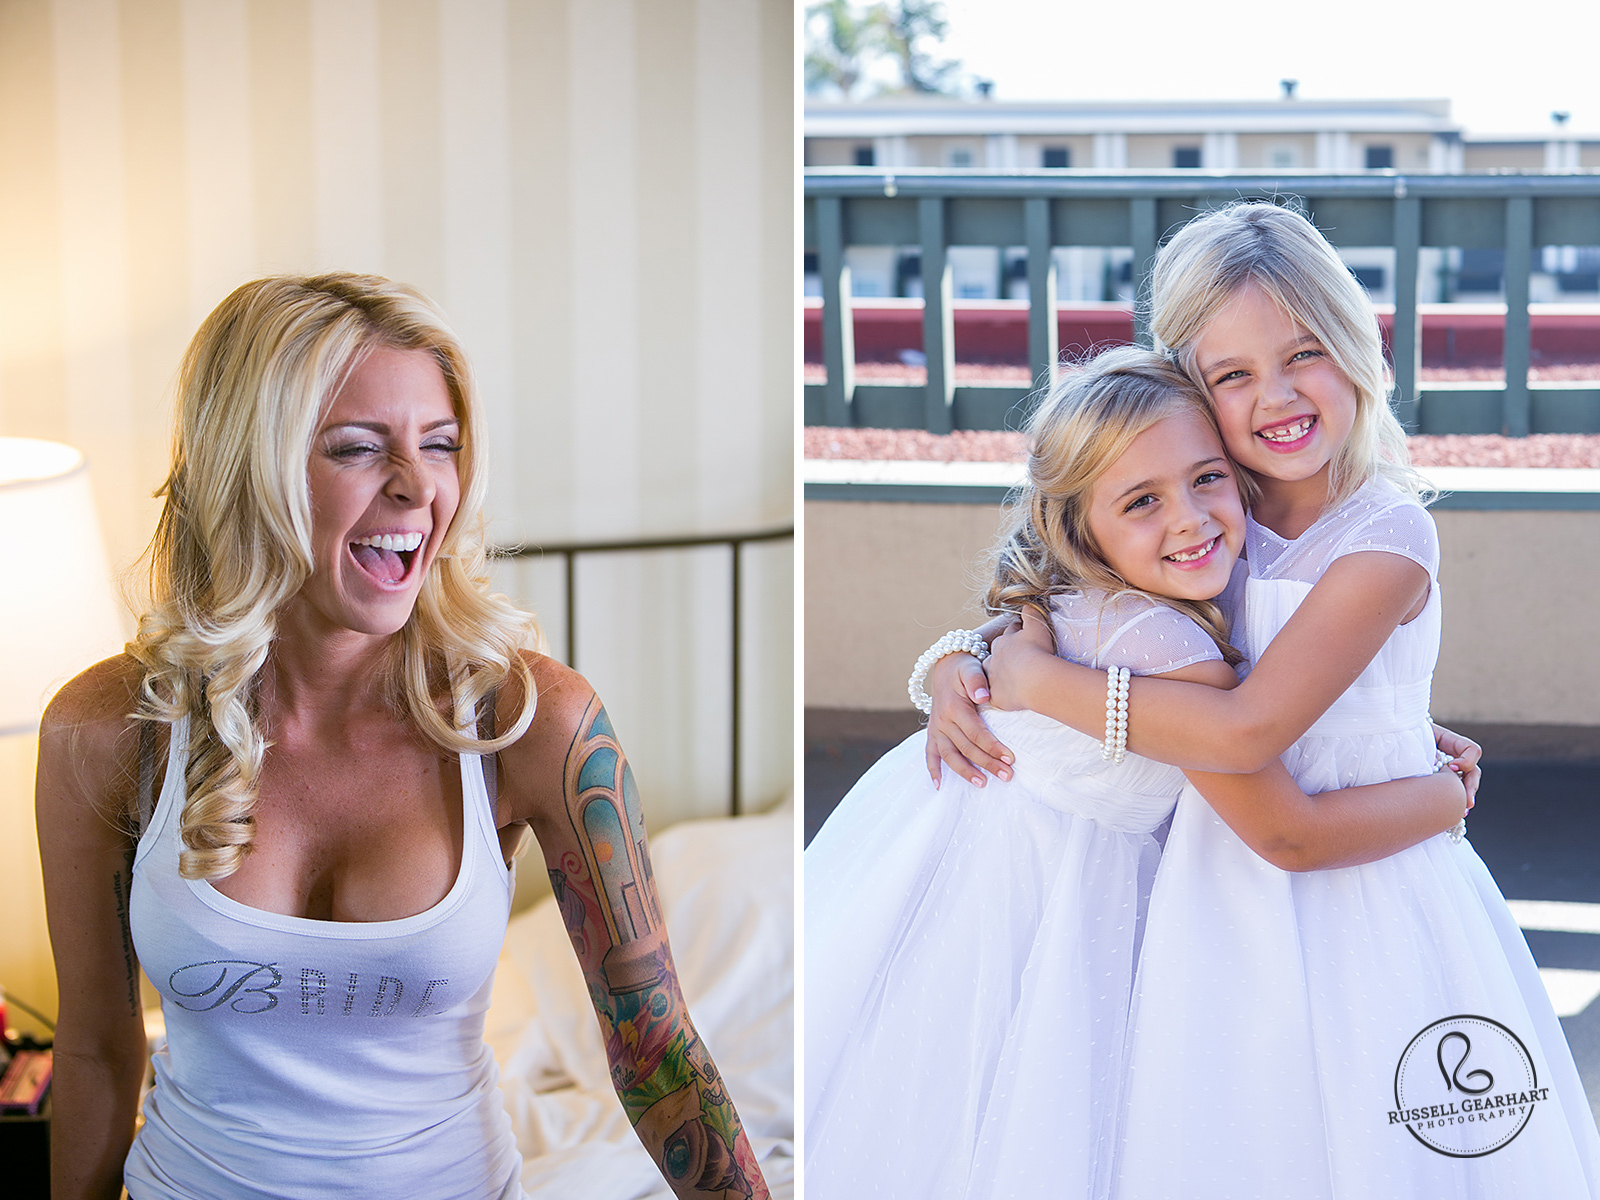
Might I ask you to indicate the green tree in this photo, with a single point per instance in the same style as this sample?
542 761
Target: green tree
844 42
841 44
913 25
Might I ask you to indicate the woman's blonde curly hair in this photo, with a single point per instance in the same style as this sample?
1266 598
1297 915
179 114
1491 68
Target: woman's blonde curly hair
233 544
1086 422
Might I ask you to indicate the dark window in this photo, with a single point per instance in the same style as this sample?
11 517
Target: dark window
1186 156
1370 278
865 157
1576 268
1057 156
1380 158
1579 282
1481 271
908 272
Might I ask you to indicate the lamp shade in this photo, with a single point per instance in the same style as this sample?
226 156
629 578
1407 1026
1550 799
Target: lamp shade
57 611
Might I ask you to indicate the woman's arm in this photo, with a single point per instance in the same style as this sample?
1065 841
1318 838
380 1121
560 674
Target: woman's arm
1317 655
87 774
569 778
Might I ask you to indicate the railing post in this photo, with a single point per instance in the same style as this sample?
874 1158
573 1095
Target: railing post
838 324
734 731
1516 421
1142 232
938 321
1043 347
572 608
1406 341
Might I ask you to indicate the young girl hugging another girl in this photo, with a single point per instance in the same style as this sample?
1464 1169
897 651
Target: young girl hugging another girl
971 954
1379 1030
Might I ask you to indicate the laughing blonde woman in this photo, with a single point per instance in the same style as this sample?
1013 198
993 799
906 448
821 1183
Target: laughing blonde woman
295 800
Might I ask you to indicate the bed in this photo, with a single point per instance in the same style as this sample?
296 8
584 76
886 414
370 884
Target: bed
727 892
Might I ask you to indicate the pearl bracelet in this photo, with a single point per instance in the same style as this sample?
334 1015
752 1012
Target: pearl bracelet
1459 830
1115 747
957 641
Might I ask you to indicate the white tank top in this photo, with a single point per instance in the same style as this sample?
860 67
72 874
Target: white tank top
321 1058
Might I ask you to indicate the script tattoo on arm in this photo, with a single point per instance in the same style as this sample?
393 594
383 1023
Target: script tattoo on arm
122 887
668 1085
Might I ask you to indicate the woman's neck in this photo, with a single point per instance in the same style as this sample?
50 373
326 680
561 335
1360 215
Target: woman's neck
317 673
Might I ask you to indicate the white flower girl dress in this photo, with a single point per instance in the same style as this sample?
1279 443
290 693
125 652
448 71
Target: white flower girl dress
969 953
1292 1033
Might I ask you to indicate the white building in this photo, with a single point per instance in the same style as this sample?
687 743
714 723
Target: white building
1258 136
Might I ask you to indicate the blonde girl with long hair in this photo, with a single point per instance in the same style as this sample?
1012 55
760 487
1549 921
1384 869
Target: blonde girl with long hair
970 954
1323 1016
295 800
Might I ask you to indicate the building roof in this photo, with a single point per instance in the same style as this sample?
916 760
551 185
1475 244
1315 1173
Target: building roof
939 116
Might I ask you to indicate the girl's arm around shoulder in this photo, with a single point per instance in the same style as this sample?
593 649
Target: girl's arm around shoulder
569 779
1297 832
1337 629
87 784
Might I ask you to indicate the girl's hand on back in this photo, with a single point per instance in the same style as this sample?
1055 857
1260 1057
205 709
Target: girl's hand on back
1464 755
957 735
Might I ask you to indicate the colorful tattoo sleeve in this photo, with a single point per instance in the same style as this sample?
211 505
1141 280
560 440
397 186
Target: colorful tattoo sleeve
664 1077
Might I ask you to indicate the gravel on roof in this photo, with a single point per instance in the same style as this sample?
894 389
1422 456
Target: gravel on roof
1441 450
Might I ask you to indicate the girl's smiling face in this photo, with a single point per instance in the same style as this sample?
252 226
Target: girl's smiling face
1283 406
384 490
1167 515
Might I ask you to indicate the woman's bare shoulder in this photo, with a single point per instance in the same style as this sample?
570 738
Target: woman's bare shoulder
96 705
562 700
535 763
88 737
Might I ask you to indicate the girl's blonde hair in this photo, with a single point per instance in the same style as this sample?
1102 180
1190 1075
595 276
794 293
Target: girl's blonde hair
1279 251
1087 421
233 543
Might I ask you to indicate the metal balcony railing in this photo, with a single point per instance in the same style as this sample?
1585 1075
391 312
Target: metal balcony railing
570 552
1045 209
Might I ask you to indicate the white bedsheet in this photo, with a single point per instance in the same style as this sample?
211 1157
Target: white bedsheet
727 891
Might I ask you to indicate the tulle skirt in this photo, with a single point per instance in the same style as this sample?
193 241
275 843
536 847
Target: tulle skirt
970 956
1291 1034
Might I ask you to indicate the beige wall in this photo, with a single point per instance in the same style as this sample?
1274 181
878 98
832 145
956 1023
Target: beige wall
1410 149
833 152
884 581
1487 157
1519 639
1519 645
1148 151
600 193
1255 150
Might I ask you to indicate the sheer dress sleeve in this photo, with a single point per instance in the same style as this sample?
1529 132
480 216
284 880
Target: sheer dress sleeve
1128 630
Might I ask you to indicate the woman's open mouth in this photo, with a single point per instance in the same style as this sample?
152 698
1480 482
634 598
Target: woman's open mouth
387 557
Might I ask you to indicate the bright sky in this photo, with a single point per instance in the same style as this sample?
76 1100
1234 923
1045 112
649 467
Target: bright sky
1505 66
